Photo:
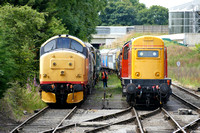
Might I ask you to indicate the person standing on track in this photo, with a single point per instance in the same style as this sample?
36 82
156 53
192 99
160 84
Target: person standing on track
104 76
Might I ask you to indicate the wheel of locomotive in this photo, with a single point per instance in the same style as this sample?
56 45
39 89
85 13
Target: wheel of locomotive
130 94
131 99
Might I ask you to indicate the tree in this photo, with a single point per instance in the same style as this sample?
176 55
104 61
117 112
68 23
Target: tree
131 12
121 12
80 17
21 30
118 13
156 15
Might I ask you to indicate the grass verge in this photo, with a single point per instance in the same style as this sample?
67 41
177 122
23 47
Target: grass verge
188 74
114 85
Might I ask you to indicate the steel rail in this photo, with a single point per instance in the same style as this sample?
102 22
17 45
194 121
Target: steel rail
123 121
151 113
111 115
105 117
186 102
139 123
93 119
173 120
186 90
191 124
66 117
16 129
110 124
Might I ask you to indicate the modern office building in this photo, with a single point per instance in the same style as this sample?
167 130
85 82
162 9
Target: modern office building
185 18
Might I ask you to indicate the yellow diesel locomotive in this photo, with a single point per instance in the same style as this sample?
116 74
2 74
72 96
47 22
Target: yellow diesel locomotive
66 70
143 70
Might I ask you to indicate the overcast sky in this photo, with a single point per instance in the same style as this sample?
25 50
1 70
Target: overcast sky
164 3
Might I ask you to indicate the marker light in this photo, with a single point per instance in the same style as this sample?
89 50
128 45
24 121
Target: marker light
71 86
168 82
139 87
52 86
157 87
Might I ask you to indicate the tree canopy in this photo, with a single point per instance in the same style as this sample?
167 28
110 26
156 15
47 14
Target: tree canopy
131 12
80 17
155 15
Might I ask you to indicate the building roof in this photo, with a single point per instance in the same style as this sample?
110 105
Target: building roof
190 6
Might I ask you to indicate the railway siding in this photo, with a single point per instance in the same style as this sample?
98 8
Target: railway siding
112 120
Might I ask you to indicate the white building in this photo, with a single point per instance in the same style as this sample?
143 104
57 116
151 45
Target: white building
185 18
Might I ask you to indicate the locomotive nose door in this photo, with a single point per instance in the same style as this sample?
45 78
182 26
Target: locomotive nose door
148 64
148 59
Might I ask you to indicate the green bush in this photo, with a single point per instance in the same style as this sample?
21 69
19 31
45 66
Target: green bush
22 31
17 99
198 47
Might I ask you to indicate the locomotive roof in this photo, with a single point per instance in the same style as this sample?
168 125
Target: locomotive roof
147 41
65 36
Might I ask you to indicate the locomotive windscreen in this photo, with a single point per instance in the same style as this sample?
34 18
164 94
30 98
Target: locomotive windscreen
147 53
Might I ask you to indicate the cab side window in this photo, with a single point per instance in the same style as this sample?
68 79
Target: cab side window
125 57
50 46
76 46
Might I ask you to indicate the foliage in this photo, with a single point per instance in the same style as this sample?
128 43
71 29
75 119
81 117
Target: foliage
131 12
155 15
120 12
22 31
19 32
187 57
188 76
197 47
17 99
188 73
80 17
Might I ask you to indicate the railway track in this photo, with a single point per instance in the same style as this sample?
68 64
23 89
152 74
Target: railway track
98 122
129 119
169 124
45 119
186 90
89 121
186 96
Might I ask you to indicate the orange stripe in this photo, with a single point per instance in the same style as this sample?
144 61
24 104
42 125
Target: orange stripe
72 82
148 45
